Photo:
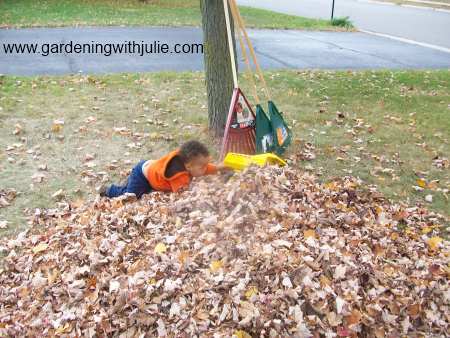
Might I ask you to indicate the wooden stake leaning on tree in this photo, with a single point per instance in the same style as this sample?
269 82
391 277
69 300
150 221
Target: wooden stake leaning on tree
241 26
244 52
230 44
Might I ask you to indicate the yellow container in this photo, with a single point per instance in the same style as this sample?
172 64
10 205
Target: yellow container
242 161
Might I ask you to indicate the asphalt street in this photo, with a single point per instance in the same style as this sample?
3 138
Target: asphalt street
276 49
419 24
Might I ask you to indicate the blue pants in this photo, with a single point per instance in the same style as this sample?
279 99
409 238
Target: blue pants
137 184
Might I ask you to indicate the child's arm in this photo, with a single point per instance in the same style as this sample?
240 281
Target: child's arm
216 168
211 169
222 168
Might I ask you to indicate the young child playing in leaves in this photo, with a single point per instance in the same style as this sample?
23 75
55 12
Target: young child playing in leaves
170 173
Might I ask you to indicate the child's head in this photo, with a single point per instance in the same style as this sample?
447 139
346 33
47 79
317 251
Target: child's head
195 157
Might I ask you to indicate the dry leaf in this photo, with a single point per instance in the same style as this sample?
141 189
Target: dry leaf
333 319
287 282
183 256
17 129
160 248
414 310
354 318
339 304
434 242
309 233
421 183
63 329
57 126
216 266
253 290
241 334
58 194
114 286
426 230
40 247
340 271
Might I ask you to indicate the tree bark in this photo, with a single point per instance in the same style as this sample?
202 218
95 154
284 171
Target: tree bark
219 77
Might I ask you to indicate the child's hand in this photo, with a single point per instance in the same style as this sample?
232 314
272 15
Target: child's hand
222 168
226 172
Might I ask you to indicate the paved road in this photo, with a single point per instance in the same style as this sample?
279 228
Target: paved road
276 49
419 24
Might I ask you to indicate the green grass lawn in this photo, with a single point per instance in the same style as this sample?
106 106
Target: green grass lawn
54 13
388 128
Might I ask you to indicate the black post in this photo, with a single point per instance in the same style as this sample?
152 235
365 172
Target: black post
332 11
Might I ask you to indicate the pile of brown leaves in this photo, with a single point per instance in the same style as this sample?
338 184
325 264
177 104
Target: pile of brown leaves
271 252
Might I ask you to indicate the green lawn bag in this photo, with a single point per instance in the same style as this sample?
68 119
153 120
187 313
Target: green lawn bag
264 132
282 136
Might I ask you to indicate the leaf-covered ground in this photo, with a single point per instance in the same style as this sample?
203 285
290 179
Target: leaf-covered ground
61 137
270 252
57 13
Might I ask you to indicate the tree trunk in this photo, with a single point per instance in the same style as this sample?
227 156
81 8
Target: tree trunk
219 77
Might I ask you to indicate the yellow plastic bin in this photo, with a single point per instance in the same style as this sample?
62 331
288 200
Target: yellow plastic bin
241 161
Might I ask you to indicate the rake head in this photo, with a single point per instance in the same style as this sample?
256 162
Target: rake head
240 130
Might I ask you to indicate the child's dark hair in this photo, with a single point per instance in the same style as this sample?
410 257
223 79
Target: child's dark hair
192 149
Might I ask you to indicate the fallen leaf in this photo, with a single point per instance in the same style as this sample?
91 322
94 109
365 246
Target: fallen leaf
114 286
58 194
57 126
40 247
183 256
324 281
253 290
339 304
216 266
434 242
414 310
421 183
17 129
426 230
309 233
433 185
354 318
340 271
241 334
160 248
343 332
38 177
63 329
287 282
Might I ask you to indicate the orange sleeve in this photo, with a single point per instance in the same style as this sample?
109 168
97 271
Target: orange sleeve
179 182
211 169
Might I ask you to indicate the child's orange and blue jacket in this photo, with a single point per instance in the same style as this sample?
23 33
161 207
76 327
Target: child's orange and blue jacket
155 173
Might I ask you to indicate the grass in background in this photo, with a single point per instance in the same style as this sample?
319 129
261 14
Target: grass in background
56 13
385 127
342 22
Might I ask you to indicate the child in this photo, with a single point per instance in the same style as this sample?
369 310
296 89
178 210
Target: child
170 173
